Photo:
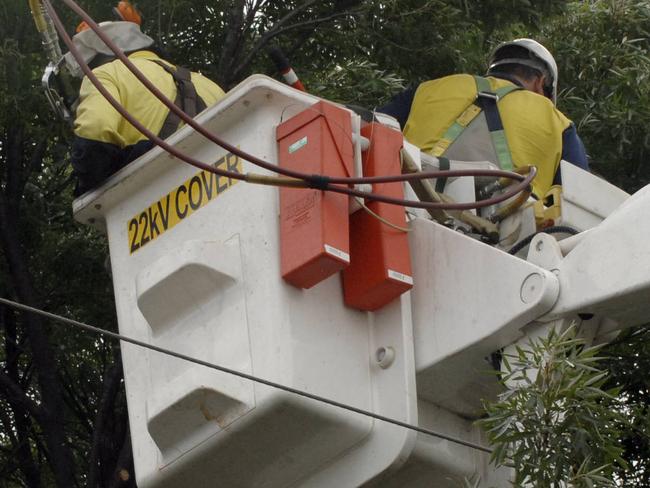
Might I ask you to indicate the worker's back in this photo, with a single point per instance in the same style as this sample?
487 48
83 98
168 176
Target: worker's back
533 126
133 95
105 141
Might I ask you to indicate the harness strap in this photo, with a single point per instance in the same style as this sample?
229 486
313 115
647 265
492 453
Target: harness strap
187 99
443 165
455 130
486 101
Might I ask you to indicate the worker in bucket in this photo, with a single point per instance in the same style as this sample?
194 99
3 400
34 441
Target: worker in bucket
104 141
508 117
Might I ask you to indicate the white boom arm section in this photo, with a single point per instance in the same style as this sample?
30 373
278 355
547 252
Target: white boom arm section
606 273
195 263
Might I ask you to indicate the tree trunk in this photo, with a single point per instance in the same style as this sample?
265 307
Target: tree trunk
22 421
110 390
232 45
52 405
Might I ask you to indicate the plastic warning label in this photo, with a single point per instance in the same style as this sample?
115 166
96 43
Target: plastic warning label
180 203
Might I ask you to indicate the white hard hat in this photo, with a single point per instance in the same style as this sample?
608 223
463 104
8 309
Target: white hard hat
536 56
126 35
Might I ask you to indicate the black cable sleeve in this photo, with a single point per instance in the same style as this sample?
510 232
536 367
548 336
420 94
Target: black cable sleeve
319 182
556 229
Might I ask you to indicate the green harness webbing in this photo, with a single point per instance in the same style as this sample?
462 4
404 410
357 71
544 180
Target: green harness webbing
187 99
486 101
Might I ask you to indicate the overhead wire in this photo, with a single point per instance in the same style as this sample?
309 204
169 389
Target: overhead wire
223 369
294 178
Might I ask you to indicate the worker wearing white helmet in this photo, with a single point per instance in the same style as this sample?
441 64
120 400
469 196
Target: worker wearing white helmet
104 141
530 53
508 117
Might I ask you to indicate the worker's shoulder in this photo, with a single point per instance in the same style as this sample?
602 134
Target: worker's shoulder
208 87
197 75
144 61
535 105
456 82
106 69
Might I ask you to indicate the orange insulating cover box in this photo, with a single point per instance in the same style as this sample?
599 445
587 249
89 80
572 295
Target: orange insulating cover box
314 224
380 268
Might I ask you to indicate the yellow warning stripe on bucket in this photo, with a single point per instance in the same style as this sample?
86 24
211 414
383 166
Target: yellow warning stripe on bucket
180 203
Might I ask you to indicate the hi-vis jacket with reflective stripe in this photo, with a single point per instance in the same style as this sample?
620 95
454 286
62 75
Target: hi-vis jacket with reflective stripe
537 133
105 141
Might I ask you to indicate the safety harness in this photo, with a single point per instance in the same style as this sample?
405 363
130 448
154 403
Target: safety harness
186 98
486 101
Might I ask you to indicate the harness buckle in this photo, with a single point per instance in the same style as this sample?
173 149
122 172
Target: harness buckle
492 96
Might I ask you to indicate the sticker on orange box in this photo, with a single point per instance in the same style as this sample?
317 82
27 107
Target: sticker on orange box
180 203
404 278
332 251
300 143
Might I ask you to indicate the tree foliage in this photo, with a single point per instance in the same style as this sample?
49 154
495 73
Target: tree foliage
627 358
554 423
604 49
62 404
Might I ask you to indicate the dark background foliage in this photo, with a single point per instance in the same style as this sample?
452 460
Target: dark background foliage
62 409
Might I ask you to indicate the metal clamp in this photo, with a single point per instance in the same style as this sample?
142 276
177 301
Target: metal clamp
490 95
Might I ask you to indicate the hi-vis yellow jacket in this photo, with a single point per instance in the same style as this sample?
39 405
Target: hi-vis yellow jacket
105 141
537 133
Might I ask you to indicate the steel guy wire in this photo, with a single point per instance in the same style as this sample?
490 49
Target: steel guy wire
223 369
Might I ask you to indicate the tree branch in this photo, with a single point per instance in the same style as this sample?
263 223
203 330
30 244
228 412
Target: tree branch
233 33
268 35
111 387
52 417
124 470
78 405
292 14
6 422
35 161
275 31
22 422
13 167
15 394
